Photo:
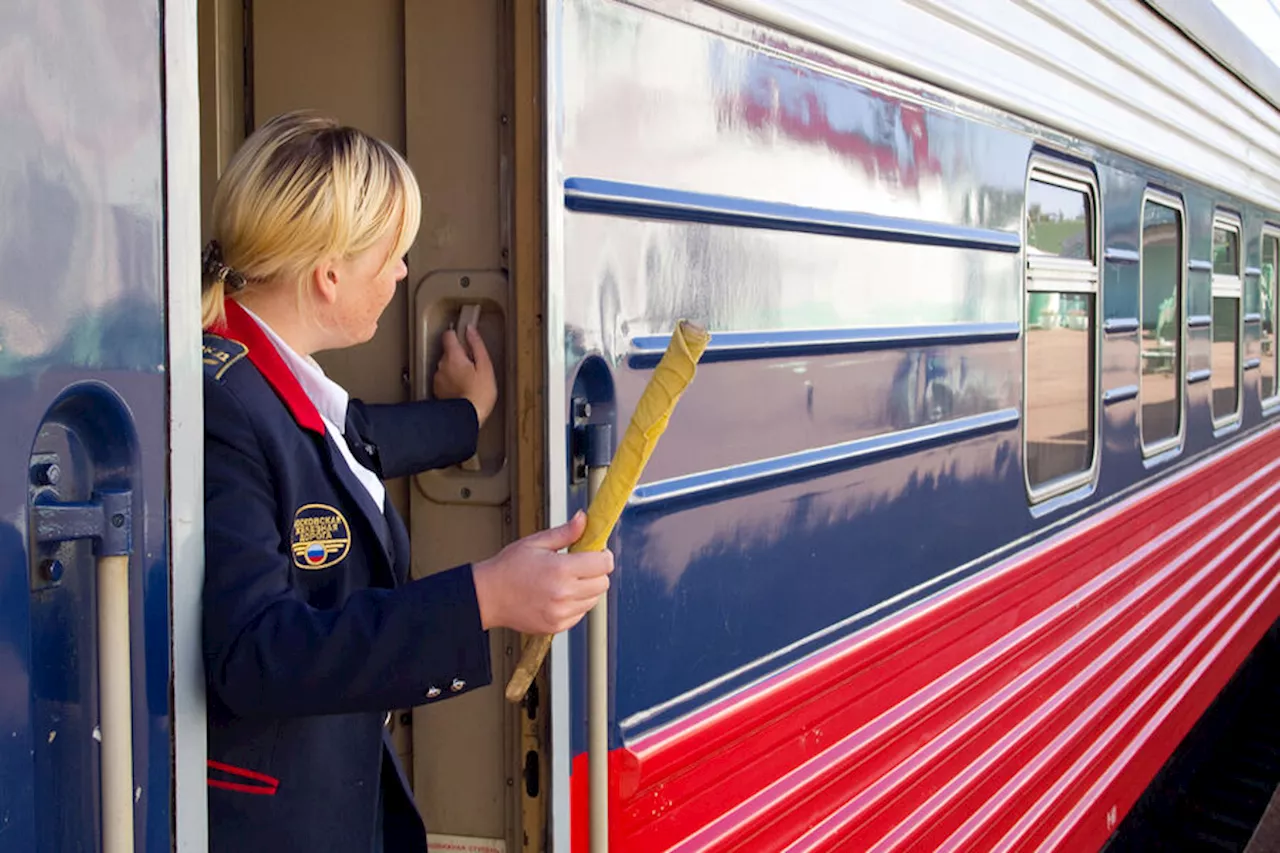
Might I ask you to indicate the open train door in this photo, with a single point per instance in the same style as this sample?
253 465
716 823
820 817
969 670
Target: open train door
99 439
457 86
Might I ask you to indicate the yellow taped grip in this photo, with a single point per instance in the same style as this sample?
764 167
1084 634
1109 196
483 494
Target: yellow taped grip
649 420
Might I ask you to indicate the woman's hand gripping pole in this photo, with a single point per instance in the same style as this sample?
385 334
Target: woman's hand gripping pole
653 410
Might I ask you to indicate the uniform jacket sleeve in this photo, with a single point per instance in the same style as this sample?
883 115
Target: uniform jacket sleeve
268 652
414 437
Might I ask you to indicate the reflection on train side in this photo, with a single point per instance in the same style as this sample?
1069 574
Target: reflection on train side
1060 369
636 92
887 136
646 275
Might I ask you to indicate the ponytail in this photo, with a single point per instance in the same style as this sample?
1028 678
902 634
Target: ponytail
218 279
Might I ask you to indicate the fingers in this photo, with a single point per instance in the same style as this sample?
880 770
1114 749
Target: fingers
450 341
560 624
590 589
587 564
479 353
532 588
568 612
563 536
452 346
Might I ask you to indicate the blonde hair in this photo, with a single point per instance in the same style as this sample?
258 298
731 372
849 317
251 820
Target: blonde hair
301 189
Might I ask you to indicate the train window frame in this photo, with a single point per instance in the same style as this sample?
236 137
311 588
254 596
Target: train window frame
1174 202
1226 286
1270 404
1055 274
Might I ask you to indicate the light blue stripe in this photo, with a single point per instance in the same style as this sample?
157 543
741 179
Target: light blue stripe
1122 256
726 346
1117 395
1199 321
643 201
1198 376
1118 325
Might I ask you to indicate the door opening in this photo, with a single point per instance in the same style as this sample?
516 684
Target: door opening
456 86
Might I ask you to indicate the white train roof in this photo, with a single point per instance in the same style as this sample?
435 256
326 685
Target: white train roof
1118 73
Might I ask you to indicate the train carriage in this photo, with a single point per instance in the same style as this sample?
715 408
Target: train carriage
967 519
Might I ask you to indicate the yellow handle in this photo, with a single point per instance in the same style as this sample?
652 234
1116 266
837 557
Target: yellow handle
649 420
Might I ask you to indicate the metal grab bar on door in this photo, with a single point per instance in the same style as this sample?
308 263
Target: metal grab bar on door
108 520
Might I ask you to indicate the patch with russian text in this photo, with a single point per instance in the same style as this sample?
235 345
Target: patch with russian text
220 353
321 537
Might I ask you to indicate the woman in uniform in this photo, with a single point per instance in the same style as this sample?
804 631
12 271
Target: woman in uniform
313 629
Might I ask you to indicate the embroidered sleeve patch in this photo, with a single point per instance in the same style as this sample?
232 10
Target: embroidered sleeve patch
221 353
321 537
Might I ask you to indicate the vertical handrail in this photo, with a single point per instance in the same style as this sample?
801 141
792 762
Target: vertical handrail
612 477
648 421
108 521
598 702
115 704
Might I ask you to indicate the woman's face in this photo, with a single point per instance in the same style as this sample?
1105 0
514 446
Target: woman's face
365 285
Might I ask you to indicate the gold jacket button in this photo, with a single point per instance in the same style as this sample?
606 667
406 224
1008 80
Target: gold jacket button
458 684
433 692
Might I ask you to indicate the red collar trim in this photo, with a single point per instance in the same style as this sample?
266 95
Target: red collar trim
264 355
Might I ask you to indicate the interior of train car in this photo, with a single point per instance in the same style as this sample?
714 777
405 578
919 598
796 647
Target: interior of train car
453 85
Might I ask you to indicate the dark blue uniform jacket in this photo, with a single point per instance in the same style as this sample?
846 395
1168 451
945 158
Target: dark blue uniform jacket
312 628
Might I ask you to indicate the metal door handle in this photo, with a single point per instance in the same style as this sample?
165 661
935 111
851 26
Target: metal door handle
108 520
454 299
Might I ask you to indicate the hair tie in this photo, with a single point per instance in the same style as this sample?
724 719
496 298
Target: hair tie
213 268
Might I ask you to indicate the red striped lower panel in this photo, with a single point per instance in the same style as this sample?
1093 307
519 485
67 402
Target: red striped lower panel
1026 709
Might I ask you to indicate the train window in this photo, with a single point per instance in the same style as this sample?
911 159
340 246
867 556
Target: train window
1059 221
1226 249
1162 263
1225 362
1060 341
1267 306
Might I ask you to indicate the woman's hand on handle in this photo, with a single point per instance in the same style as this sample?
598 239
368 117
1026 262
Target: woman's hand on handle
532 588
461 376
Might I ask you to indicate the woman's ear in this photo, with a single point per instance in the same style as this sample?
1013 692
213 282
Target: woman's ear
324 280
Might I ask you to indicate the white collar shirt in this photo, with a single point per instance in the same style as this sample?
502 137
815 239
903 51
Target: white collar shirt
330 400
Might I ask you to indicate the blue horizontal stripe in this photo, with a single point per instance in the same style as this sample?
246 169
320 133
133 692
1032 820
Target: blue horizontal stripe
1116 325
1200 266
647 350
592 195
1122 256
1252 364
1253 271
1198 376
1252 318
1199 321
1116 395
753 476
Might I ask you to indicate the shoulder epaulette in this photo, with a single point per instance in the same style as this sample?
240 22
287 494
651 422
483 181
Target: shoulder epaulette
220 353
